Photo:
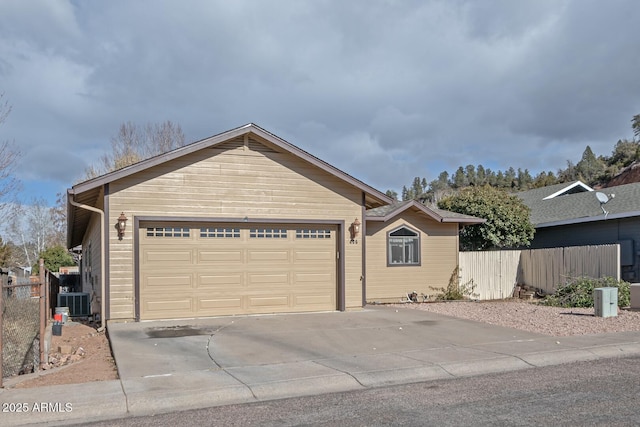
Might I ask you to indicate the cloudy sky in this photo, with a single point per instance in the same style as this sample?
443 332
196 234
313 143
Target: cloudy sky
384 90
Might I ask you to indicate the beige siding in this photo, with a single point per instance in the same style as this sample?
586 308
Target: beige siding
439 258
91 262
234 182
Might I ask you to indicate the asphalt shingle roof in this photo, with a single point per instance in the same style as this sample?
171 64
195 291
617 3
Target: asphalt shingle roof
624 201
438 214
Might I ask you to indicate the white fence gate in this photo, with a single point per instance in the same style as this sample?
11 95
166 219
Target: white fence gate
495 273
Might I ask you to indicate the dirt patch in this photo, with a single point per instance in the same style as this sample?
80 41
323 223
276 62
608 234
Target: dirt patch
80 355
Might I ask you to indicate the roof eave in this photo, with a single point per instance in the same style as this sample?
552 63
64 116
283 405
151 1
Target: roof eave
429 212
583 220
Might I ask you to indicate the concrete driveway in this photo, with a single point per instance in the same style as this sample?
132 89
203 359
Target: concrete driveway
204 362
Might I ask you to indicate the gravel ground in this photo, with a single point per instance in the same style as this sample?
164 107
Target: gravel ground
532 317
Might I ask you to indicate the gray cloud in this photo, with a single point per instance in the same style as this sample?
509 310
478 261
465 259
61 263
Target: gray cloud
384 90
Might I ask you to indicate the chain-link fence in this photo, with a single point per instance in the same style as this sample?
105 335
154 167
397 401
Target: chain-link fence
20 346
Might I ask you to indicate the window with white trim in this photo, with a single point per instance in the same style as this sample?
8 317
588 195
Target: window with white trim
168 232
220 232
313 233
403 247
268 233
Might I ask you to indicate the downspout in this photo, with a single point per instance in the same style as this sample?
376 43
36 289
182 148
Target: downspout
102 257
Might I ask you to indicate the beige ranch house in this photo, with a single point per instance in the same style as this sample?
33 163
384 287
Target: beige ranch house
244 222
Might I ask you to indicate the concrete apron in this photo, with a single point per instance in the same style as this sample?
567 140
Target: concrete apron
186 364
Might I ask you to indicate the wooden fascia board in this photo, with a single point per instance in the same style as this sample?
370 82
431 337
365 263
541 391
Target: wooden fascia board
428 212
398 211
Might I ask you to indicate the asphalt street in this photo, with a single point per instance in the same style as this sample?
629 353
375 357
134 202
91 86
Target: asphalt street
602 392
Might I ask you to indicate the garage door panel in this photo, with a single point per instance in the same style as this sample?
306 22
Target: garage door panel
315 300
175 306
220 281
219 303
268 255
320 279
314 256
261 279
269 301
167 281
174 256
226 269
220 256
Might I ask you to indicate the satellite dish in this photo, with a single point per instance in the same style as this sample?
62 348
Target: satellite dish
602 198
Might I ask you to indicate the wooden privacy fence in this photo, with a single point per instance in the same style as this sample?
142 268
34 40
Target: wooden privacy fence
495 273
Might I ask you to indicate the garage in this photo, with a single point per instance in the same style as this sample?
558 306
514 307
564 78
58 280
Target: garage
191 270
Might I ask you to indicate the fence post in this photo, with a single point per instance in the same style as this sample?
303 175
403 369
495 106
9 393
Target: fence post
43 314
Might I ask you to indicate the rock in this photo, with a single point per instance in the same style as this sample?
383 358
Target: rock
80 352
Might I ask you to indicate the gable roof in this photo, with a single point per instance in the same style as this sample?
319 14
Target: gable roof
385 213
89 191
584 206
552 191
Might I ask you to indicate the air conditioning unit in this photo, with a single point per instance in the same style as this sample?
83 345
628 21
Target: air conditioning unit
79 303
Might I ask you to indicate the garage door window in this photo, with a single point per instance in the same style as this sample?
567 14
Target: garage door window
220 232
403 247
168 232
268 233
313 234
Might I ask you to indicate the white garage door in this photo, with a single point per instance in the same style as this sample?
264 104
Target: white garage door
196 270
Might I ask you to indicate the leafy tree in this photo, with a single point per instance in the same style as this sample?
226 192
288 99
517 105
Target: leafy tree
460 178
5 252
417 188
510 178
624 153
406 193
507 225
590 169
470 172
133 144
392 194
569 174
524 180
481 175
54 258
635 125
544 179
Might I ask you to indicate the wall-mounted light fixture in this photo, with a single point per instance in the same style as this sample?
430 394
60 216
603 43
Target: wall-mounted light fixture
354 230
122 225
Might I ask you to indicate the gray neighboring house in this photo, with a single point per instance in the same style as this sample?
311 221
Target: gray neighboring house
574 214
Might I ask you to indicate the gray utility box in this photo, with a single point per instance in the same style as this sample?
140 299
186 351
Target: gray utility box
635 296
605 301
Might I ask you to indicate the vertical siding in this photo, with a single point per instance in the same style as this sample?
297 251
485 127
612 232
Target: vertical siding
438 253
236 182
495 273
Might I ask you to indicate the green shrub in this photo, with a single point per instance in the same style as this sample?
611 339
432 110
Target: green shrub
455 290
578 292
